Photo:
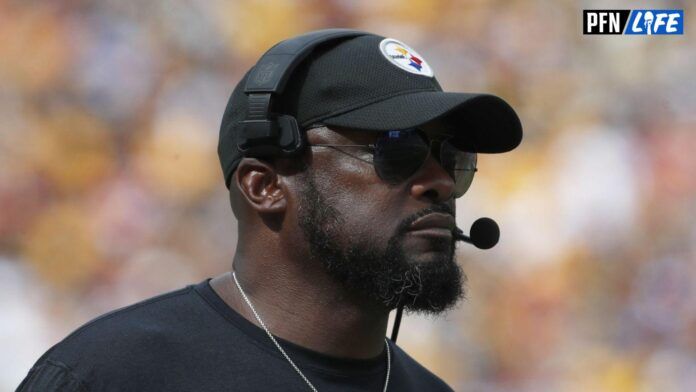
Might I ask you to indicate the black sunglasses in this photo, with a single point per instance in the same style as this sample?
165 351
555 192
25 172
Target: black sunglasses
397 155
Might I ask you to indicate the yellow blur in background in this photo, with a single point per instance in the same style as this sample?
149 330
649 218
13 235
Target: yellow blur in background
111 192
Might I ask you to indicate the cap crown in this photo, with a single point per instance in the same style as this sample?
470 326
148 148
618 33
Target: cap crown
342 77
337 77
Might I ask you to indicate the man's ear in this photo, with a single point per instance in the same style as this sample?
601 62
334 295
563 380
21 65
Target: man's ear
261 186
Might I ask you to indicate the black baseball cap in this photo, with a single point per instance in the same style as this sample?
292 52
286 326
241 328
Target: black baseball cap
374 83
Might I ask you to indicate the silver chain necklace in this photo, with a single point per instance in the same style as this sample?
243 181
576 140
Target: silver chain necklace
258 318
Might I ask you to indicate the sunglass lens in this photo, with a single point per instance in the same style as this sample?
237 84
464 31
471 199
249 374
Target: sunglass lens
460 164
399 154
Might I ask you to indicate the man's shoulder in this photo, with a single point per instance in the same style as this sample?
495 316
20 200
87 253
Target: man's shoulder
417 374
148 318
123 340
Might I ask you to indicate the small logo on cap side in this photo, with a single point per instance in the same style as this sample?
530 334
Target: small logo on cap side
265 72
404 57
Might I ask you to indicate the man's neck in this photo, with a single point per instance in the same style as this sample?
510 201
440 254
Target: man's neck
307 309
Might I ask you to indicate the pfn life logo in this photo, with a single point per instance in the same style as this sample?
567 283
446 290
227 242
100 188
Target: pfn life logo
633 22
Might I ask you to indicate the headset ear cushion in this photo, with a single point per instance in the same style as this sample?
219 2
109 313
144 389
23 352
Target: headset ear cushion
258 138
291 139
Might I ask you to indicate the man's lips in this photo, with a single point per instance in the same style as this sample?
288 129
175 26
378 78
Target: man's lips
435 224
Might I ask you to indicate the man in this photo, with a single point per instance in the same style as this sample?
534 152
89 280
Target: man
358 221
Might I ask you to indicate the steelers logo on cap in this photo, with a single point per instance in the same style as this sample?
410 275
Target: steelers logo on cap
404 57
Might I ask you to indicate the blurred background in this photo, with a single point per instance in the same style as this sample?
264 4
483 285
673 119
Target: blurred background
111 191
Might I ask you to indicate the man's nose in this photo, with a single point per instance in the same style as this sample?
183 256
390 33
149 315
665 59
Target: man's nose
432 182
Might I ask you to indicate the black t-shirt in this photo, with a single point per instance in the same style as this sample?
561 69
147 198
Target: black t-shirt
190 340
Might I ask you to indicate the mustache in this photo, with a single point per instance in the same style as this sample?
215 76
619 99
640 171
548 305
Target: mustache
440 207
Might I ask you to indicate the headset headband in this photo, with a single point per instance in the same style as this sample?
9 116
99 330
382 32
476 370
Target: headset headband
262 133
272 71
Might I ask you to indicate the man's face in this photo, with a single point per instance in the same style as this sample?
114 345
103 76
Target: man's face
357 226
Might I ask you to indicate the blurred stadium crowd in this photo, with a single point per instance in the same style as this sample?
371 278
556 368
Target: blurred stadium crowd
110 188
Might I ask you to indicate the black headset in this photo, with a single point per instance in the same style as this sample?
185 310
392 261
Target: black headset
263 133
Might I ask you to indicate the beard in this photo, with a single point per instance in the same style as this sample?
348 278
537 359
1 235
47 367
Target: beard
385 275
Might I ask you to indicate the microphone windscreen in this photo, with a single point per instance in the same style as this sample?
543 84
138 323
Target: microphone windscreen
484 233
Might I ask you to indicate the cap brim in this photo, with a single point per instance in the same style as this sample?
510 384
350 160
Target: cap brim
481 122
